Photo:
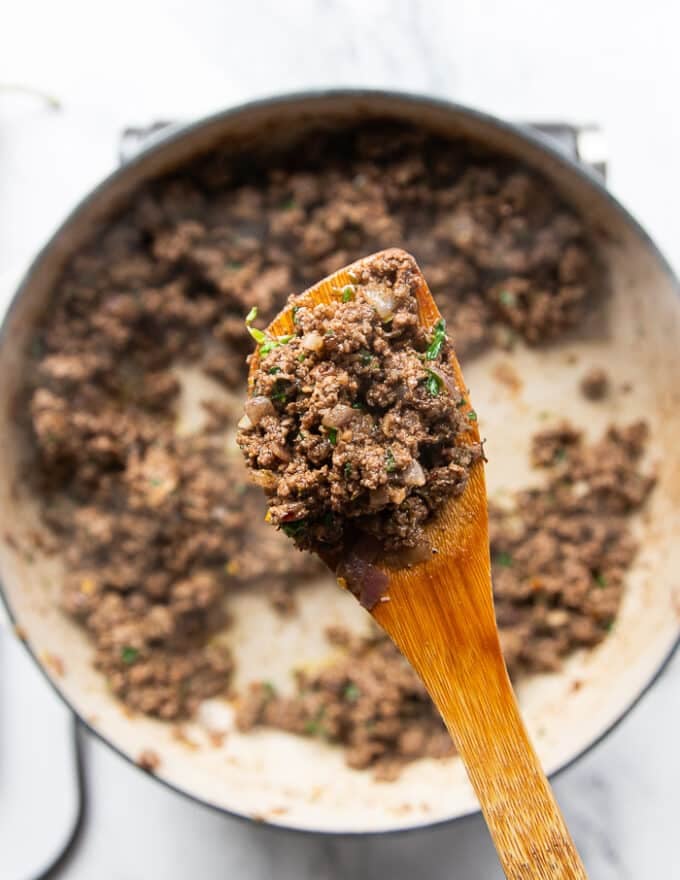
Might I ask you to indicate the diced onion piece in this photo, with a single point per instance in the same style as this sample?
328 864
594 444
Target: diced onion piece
264 478
368 583
414 475
338 416
382 301
280 452
413 555
312 341
257 408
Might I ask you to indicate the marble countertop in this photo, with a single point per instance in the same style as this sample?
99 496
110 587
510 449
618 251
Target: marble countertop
112 65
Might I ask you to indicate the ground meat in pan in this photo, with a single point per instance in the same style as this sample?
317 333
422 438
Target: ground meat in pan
559 555
152 537
354 425
370 700
595 384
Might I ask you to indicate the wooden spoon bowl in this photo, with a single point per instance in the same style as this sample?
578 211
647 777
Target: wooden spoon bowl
440 615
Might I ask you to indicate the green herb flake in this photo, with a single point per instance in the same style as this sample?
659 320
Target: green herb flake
347 470
358 405
279 396
438 339
302 357
461 403
365 356
274 370
295 528
347 293
155 481
333 436
128 655
600 580
504 559
609 625
329 333
295 310
390 463
434 383
313 726
472 416
560 454
258 335
351 693
507 298
289 204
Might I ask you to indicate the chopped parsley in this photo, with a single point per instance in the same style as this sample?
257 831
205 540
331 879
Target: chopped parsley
472 416
347 470
438 339
347 293
366 357
295 310
600 579
275 342
274 370
258 335
333 436
128 655
266 343
358 405
351 693
390 463
507 298
462 402
434 383
504 559
313 725
295 528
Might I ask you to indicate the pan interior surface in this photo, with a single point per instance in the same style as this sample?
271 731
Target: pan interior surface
304 783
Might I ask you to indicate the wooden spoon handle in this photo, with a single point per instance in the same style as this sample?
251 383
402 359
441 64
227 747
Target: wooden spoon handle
524 819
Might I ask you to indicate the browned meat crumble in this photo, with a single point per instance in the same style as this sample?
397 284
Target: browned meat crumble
354 425
559 555
595 384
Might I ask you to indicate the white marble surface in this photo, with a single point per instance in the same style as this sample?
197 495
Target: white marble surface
130 62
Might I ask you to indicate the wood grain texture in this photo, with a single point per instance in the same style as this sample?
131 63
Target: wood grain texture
440 615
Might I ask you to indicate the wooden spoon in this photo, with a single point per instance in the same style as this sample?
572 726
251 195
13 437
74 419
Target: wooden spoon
440 615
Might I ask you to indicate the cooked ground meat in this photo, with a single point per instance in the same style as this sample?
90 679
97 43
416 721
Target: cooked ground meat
595 384
355 425
149 760
559 555
156 528
370 700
